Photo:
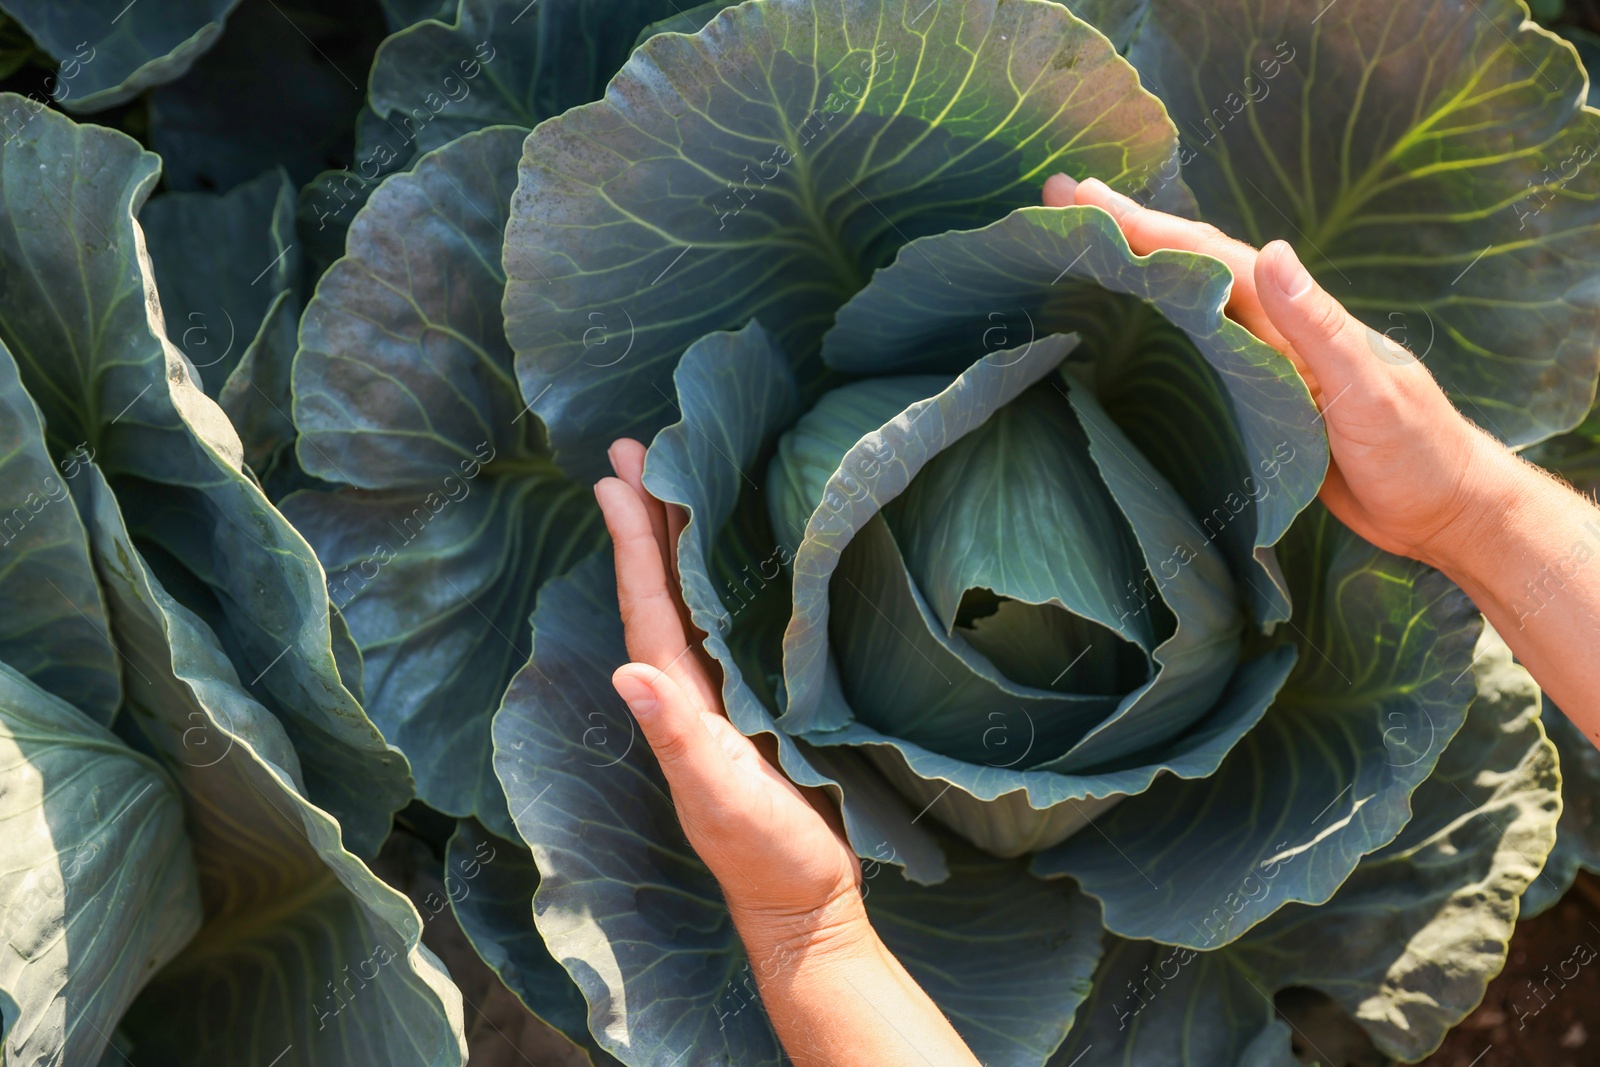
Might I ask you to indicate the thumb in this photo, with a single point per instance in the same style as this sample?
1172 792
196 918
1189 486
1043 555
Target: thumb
689 756
1335 347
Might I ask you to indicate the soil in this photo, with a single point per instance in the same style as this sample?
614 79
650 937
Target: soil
1538 1012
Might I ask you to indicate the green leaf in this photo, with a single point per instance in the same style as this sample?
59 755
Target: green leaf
1382 684
764 166
1017 507
1578 833
280 89
534 62
436 586
220 263
735 394
110 53
639 922
100 888
1407 944
1222 416
55 621
81 316
288 911
496 880
450 515
1462 127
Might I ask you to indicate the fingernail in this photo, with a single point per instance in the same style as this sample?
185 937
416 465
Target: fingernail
1059 189
639 697
1290 275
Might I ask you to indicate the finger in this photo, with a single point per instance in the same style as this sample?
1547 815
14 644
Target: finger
627 459
652 617
1148 230
695 763
1340 351
1059 189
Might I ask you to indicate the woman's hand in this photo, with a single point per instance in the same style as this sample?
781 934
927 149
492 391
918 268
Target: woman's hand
779 854
1408 473
836 996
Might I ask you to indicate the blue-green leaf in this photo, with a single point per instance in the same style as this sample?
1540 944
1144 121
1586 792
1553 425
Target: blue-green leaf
1222 416
535 61
764 166
100 888
1381 685
491 883
279 973
110 52
220 263
82 318
450 514
1462 127
1007 958
54 630
1578 833
1407 944
280 89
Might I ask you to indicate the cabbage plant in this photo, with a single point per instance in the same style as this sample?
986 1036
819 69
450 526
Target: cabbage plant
1001 534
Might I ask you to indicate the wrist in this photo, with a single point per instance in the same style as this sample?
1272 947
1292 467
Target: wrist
778 939
1495 486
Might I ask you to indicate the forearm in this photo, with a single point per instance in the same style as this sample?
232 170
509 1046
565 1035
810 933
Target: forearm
1527 551
837 997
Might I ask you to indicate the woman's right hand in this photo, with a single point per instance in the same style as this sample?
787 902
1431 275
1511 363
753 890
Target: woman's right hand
1407 471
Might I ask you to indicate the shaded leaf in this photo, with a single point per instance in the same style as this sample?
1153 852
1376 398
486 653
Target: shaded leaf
110 52
292 919
450 515
54 630
220 263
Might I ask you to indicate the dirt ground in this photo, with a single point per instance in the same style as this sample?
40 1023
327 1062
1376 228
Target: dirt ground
1544 1008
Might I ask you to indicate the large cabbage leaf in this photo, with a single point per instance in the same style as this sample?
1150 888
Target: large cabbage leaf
449 513
1432 164
110 51
84 926
305 955
766 165
1406 945
83 320
55 626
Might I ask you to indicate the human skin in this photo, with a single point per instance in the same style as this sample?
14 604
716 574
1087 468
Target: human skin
1407 472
